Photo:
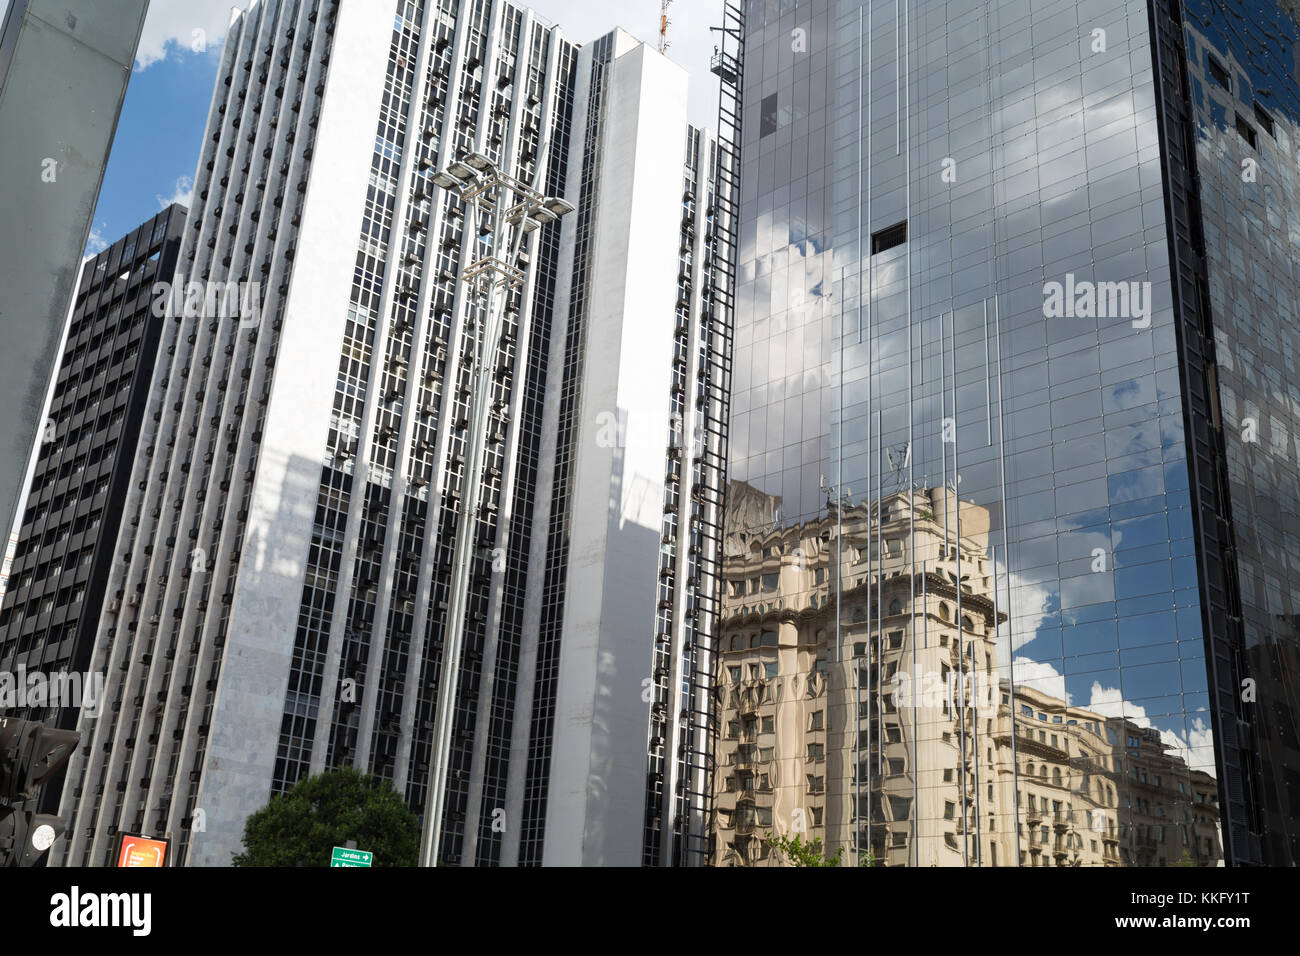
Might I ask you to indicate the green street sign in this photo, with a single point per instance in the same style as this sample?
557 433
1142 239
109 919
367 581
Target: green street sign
342 856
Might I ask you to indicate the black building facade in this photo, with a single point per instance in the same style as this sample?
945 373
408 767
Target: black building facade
74 505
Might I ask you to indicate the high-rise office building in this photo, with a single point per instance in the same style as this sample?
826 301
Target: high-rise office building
63 550
65 540
1040 255
285 582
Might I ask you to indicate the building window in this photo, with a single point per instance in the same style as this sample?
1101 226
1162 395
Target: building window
889 237
1218 73
1264 120
767 119
1245 130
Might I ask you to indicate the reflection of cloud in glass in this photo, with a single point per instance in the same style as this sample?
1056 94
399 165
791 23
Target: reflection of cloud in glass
1044 678
1132 485
1195 747
1041 602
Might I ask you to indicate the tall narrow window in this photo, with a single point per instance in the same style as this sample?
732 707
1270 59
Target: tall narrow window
1218 73
1245 130
767 116
1264 120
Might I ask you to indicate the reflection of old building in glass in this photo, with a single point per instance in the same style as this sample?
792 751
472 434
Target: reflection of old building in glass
903 708
1064 782
888 709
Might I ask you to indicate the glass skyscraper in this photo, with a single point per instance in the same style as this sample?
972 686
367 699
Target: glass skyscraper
1011 553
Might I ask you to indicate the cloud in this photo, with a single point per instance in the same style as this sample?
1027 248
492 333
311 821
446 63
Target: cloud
182 26
97 242
1041 677
183 193
1195 747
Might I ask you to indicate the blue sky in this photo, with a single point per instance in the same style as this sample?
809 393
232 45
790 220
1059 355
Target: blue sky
156 146
166 107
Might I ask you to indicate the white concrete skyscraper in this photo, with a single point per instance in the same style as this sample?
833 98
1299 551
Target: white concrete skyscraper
280 601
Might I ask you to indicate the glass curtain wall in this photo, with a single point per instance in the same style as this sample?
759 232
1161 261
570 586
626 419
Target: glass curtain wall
962 622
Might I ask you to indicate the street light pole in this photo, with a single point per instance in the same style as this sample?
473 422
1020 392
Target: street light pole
482 188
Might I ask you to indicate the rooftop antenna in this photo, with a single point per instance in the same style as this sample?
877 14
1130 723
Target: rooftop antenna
663 25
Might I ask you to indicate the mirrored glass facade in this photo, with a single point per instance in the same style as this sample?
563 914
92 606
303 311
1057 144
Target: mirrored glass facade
981 609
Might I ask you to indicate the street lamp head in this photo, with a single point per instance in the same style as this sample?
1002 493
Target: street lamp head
446 180
543 216
557 207
478 162
461 171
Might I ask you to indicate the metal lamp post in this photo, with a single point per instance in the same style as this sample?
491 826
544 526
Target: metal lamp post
491 276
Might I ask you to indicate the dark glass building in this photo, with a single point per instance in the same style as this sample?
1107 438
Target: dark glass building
83 463
1012 517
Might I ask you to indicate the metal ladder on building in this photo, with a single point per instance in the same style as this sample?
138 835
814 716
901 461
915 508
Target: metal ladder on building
694 820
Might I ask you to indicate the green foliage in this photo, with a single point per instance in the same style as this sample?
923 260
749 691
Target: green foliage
1186 859
301 827
800 853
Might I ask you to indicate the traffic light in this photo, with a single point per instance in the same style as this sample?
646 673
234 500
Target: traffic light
30 753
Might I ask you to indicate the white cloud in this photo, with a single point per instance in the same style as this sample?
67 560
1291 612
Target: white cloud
1195 747
190 26
183 193
97 243
1041 677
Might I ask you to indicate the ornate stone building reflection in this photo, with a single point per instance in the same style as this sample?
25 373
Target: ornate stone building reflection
894 735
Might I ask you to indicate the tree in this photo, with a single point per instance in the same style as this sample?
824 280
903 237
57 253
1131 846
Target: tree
800 853
301 827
